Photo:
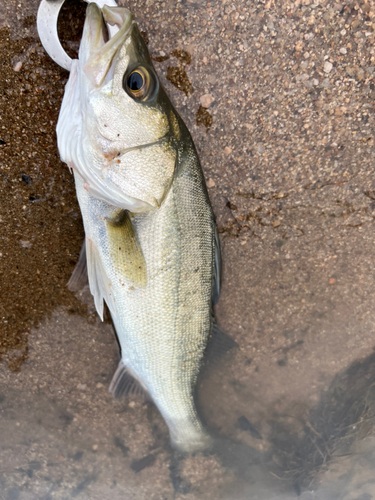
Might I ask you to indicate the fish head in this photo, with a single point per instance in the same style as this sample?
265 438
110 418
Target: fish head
117 127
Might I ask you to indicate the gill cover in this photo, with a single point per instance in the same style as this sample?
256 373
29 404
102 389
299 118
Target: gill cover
112 129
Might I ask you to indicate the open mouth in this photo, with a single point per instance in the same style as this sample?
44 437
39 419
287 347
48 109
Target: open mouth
96 53
48 13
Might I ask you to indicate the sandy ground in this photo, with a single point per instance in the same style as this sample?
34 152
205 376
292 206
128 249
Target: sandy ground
279 98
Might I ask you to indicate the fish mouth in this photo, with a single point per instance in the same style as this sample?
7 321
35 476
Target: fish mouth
96 50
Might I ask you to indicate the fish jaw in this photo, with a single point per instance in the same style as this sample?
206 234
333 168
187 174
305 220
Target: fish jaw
95 34
97 54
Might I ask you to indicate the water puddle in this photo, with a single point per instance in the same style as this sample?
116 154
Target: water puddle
64 436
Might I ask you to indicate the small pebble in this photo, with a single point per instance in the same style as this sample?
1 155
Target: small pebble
99 385
227 150
26 178
206 100
210 183
327 67
95 447
17 67
81 387
356 23
343 50
360 75
26 244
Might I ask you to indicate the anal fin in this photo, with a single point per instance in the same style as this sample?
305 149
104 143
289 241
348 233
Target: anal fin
125 383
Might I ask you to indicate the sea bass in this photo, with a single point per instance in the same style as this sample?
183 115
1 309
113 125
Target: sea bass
151 242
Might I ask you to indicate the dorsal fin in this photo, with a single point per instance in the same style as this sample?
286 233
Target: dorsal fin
217 270
219 344
126 253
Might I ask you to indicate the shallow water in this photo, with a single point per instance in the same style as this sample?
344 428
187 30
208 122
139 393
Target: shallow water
289 165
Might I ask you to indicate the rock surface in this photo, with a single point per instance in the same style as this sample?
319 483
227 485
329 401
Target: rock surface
287 148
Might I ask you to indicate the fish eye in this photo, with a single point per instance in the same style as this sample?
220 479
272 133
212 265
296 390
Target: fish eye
135 81
140 84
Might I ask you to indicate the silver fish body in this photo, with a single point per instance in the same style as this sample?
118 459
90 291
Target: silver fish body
151 242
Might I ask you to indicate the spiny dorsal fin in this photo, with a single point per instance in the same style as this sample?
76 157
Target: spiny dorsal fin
125 383
126 253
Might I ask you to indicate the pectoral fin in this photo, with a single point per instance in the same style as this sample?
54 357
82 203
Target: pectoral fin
126 253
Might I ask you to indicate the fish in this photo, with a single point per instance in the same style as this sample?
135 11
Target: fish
151 249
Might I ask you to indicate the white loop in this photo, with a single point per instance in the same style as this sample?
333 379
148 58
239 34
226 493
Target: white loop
48 14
